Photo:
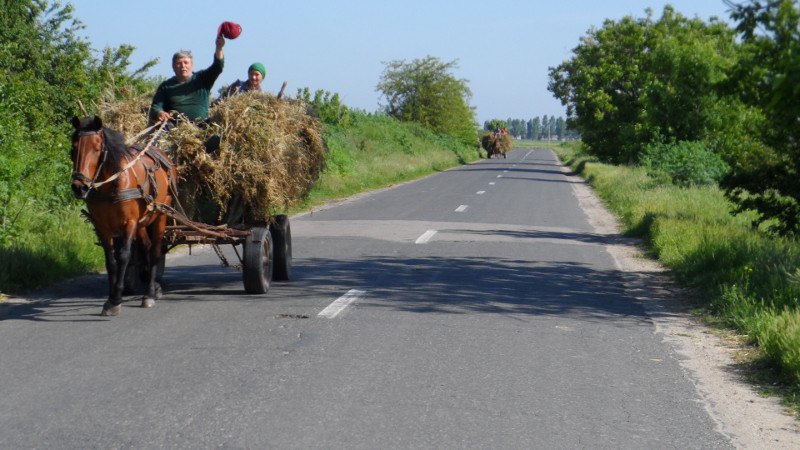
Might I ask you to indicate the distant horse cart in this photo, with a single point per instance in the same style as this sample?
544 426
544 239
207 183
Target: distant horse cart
130 194
496 144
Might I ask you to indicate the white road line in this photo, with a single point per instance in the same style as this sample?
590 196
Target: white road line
341 303
491 183
462 208
481 192
426 236
499 176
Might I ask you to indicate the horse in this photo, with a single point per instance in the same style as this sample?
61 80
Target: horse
493 144
497 147
125 189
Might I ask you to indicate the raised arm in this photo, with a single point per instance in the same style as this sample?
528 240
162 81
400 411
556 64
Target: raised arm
220 43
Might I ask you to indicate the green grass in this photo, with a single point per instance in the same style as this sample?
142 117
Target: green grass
51 246
375 151
747 279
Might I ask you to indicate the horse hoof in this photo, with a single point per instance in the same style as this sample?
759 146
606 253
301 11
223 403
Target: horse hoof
110 310
148 302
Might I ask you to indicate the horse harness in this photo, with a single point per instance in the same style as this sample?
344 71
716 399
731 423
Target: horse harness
142 189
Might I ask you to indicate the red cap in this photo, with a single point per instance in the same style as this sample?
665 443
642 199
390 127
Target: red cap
230 30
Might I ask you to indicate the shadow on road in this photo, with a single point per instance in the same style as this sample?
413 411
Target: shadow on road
480 285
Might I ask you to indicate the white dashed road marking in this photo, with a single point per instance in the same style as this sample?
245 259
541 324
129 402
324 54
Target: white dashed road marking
341 303
426 236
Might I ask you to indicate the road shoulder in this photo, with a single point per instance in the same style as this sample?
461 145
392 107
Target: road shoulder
748 419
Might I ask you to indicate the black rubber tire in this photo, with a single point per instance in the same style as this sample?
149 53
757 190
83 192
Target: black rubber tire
257 261
281 233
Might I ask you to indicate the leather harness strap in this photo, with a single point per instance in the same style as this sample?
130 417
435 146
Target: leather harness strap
139 192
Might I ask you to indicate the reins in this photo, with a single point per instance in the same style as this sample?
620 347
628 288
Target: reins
140 192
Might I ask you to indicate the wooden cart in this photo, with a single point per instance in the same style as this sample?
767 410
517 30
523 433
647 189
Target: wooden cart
265 254
266 251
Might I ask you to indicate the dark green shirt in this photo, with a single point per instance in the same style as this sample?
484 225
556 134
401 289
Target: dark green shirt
190 98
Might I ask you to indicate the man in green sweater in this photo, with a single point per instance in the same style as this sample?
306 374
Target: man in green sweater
187 92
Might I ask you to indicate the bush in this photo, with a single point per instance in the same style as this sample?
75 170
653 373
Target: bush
327 107
683 163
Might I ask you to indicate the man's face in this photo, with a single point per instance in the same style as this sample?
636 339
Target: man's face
183 69
255 78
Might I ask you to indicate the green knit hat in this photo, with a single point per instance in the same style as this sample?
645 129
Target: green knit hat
259 67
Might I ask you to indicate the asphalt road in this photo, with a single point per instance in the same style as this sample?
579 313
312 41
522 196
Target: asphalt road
475 308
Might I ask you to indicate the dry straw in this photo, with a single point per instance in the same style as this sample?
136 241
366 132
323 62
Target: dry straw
270 155
487 140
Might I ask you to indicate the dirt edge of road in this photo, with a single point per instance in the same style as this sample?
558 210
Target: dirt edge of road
748 419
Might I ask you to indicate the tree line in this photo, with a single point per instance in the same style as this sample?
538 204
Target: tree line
668 92
537 129
45 68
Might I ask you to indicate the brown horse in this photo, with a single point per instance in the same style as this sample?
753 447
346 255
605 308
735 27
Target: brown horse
497 147
123 187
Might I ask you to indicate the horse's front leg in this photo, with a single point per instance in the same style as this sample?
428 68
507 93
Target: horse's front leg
121 258
112 306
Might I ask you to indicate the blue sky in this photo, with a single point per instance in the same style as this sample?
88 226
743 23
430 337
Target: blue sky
504 51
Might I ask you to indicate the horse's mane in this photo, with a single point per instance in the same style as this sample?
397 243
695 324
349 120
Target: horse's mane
116 147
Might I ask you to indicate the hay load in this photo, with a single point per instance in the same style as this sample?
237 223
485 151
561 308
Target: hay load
506 142
270 154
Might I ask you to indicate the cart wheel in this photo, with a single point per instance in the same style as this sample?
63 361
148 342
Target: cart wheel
282 243
257 270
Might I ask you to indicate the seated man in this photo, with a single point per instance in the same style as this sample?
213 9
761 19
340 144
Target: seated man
187 92
255 75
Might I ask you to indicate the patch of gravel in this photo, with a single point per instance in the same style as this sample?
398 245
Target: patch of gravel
748 419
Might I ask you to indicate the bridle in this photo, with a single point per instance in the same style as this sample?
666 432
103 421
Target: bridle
143 187
91 183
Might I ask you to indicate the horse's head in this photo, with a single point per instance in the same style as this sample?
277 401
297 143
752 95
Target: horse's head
88 154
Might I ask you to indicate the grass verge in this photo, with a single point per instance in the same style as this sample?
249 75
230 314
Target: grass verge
747 280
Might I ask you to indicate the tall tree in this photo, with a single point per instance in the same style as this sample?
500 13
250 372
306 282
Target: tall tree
560 128
45 67
765 173
545 125
424 91
536 128
637 80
